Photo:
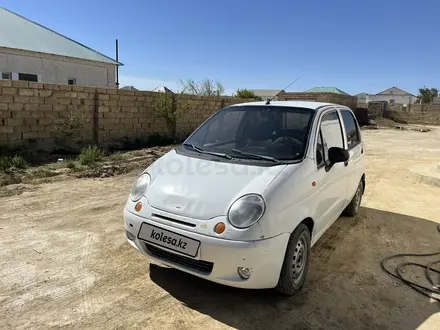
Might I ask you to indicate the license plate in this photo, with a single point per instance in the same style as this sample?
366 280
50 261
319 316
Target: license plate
168 239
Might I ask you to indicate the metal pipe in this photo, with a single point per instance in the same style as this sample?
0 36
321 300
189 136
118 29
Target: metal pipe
117 65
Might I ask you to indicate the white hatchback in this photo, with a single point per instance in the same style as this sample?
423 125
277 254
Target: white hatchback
244 198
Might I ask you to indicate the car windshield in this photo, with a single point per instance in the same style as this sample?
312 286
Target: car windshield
266 133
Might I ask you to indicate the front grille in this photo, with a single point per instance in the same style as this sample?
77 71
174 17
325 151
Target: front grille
198 265
173 220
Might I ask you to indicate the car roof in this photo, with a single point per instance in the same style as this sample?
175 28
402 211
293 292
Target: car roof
298 104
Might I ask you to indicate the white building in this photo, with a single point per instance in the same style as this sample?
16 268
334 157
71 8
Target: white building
394 95
32 52
363 99
266 93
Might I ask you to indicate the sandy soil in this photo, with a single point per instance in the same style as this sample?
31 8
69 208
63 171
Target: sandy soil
64 261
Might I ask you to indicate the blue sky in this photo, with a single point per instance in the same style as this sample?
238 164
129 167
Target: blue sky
356 45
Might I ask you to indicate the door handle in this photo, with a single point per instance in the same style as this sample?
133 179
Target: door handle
362 150
346 163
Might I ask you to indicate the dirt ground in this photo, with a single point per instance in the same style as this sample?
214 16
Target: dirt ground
64 261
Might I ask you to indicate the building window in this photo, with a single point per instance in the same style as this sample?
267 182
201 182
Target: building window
391 101
28 77
7 75
71 81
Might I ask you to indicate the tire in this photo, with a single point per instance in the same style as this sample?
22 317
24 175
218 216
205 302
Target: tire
353 208
296 262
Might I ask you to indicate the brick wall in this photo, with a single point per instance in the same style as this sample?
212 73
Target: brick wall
423 118
361 116
29 110
347 100
408 115
424 107
31 114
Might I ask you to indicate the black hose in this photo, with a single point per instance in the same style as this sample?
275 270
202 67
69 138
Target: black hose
398 273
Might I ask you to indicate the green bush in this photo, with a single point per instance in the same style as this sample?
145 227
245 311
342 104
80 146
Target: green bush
4 163
71 164
16 161
91 155
247 94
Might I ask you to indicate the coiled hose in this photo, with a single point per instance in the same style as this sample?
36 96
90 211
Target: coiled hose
398 272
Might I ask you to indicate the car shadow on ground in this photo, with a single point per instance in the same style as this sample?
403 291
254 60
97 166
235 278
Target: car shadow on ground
345 287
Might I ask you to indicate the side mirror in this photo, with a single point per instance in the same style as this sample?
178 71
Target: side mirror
337 155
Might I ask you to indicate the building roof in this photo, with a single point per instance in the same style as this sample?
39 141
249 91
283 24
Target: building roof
21 33
362 94
297 104
162 89
399 91
130 88
265 93
326 90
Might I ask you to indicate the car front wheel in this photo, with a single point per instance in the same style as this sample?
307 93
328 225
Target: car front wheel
296 262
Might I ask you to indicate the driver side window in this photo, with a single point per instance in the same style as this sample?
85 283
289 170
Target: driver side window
330 135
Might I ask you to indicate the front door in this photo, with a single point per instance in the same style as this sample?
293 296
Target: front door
331 182
356 149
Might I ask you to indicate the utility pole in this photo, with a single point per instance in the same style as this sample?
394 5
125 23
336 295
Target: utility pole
117 66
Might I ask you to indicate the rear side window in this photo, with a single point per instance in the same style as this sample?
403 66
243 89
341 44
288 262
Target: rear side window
330 136
351 128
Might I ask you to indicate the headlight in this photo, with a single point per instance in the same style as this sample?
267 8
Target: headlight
246 210
140 187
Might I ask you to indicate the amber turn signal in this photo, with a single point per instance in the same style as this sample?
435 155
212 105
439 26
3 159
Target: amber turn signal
138 207
219 228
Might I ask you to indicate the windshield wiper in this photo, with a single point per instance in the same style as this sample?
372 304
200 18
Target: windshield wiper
250 154
201 151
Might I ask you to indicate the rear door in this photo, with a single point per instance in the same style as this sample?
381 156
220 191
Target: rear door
331 182
355 146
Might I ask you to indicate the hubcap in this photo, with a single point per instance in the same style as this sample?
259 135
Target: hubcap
299 260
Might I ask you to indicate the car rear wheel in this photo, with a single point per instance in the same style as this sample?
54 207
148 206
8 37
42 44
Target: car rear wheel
353 208
296 262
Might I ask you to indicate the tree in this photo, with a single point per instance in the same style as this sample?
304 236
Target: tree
68 125
426 95
205 88
246 94
170 106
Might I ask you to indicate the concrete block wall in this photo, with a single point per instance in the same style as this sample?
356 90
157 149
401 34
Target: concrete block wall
200 109
407 115
347 100
31 113
434 108
361 115
422 118
425 107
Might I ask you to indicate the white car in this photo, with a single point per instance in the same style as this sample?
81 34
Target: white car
244 198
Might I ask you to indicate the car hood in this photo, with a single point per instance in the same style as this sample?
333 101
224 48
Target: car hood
201 188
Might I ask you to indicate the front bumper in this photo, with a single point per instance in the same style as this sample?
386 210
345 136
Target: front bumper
264 257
